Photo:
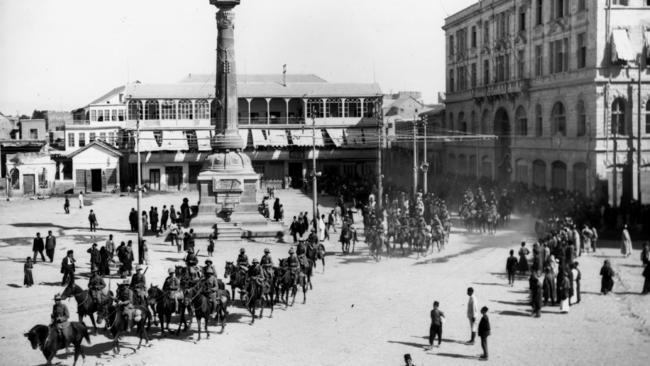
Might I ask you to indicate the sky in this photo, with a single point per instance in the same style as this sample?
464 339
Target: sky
62 54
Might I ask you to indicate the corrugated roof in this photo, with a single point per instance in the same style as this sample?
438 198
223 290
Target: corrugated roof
254 90
256 78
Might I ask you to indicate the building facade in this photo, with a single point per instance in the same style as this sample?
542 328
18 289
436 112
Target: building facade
565 86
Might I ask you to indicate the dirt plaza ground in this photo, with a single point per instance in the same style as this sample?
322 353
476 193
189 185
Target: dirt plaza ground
360 312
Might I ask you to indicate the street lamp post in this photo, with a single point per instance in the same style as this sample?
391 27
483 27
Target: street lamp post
139 190
313 174
425 164
415 157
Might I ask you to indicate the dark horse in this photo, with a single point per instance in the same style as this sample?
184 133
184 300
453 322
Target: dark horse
237 279
86 305
118 324
259 291
49 341
201 304
163 306
316 252
288 286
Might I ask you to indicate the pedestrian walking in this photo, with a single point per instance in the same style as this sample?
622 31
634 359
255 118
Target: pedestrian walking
172 215
66 205
104 259
472 313
210 245
145 251
163 218
594 238
563 288
535 294
607 280
523 261
92 219
645 254
646 282
81 199
28 279
145 223
511 267
50 245
38 247
576 276
276 210
484 332
95 259
110 247
133 220
294 229
68 268
436 324
626 242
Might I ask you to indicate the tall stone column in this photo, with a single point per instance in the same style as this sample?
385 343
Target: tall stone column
224 106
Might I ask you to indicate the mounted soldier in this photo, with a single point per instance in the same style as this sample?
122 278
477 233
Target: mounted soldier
172 287
96 286
208 265
242 260
60 315
125 301
267 264
193 273
294 266
139 286
210 288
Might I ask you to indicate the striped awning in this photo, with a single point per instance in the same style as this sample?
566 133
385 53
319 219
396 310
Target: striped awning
621 46
305 138
174 141
354 137
277 138
243 133
259 138
203 138
148 141
336 134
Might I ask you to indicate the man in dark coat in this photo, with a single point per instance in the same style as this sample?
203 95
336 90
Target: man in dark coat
38 247
484 332
95 259
133 220
92 219
294 229
535 294
68 268
511 268
164 217
50 245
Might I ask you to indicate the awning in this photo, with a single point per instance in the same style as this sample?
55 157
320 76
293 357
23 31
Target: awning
258 138
336 134
148 141
277 138
174 141
621 46
203 140
304 137
354 137
646 41
244 136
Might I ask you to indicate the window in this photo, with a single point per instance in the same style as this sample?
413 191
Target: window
473 44
168 109
539 16
462 125
486 72
353 107
461 41
185 109
474 123
202 109
473 75
451 45
151 110
71 139
559 56
82 139
315 107
120 115
521 64
582 51
485 122
539 126
33 134
113 115
450 86
561 8
102 136
157 136
93 115
558 175
539 59
503 68
647 117
135 110
369 105
107 114
522 21
100 116
582 119
621 2
111 138
334 107
462 78
91 137
558 119
486 33
582 5
618 117
521 125
503 21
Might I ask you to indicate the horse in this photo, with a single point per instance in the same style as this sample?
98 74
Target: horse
237 279
50 341
307 267
86 305
117 324
259 290
315 253
345 238
164 307
289 287
201 305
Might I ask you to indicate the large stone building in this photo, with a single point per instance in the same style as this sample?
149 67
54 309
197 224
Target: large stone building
558 82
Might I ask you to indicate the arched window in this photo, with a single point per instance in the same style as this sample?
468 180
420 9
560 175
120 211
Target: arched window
484 122
185 109
474 123
521 124
582 119
618 117
580 177
558 118
539 173
334 107
202 109
151 110
315 107
558 175
14 178
539 121
486 167
168 109
135 110
462 125
521 171
353 107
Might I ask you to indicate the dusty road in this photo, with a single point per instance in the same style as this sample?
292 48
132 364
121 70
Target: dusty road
359 313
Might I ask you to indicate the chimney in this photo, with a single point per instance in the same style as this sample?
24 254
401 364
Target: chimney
284 75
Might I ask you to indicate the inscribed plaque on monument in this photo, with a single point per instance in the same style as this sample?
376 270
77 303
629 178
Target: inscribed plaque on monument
226 185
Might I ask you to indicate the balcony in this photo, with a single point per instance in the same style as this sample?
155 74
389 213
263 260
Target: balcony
501 90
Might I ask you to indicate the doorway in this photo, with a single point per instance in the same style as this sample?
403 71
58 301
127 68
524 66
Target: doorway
295 172
502 154
96 180
29 184
174 177
154 179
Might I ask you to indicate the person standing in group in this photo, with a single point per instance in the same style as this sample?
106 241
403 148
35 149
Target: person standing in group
511 267
436 324
646 282
563 288
594 238
484 332
210 245
607 280
95 259
535 293
38 247
576 276
172 215
163 218
626 242
523 261
548 286
104 260
133 220
110 247
145 252
66 205
294 229
92 219
50 245
472 313
68 268
645 254
81 199
145 223
173 234
28 279
276 210
153 218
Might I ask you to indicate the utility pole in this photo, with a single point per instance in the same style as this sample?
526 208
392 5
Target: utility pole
415 157
139 189
638 134
425 164
313 174
380 188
